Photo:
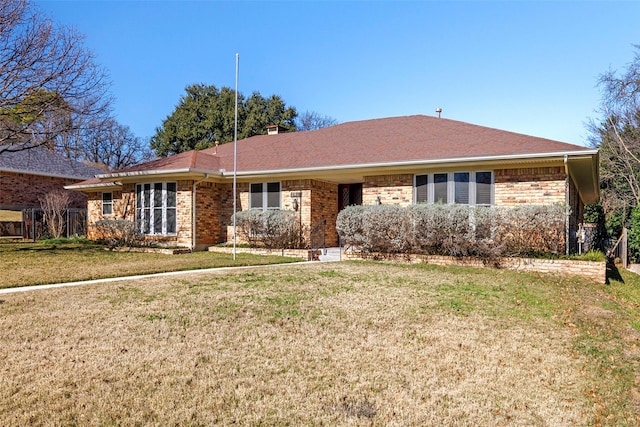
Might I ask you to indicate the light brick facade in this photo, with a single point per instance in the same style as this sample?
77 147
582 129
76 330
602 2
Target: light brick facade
392 189
318 201
534 186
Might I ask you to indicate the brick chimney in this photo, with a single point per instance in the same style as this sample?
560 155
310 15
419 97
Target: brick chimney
275 129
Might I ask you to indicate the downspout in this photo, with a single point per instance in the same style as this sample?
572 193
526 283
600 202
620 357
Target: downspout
567 207
193 211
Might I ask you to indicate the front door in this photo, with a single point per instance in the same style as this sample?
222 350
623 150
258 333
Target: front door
349 194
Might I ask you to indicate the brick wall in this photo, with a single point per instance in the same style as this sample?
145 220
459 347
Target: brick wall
325 206
392 189
208 221
538 186
18 191
592 270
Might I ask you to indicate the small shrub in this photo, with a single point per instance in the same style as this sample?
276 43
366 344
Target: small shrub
54 204
597 256
118 233
273 229
349 225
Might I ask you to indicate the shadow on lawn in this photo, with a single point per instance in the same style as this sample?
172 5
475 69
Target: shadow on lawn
55 248
613 273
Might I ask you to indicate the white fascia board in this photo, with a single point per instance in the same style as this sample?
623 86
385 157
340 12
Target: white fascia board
134 174
52 175
99 185
555 156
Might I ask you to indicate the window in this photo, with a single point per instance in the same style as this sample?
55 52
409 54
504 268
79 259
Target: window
264 195
156 208
107 204
484 188
467 188
440 188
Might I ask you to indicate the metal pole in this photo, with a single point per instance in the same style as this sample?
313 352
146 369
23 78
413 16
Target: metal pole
235 159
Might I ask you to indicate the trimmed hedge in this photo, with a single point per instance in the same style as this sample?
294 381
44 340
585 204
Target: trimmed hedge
454 230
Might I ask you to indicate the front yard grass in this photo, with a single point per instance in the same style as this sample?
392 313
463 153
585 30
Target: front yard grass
353 343
27 264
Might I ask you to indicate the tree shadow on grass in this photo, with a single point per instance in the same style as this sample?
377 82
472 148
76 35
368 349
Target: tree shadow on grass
56 248
613 273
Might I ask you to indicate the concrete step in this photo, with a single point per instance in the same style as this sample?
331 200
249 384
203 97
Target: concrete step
330 254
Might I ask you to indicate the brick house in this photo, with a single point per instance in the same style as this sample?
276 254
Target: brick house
187 199
28 175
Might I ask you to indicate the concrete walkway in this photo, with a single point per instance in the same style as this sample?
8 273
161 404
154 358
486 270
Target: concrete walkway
143 276
634 267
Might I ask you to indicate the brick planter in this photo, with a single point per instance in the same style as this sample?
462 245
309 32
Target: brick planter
293 253
593 270
165 251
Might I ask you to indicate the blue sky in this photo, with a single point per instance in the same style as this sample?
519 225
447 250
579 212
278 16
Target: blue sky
528 67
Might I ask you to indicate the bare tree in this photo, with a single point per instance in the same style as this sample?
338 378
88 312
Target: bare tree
618 137
311 120
48 79
54 204
113 146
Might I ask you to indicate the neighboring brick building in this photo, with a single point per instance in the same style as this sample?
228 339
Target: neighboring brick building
187 199
28 175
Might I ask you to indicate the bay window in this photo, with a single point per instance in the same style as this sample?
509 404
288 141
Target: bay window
156 208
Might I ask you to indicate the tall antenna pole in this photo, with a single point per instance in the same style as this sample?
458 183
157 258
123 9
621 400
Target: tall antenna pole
235 159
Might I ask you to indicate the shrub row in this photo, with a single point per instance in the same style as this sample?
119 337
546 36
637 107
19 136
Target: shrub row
273 229
454 230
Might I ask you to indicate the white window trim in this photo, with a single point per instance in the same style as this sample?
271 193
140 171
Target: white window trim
265 196
110 203
451 187
140 212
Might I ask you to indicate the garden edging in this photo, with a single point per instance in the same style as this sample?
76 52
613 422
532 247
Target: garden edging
594 270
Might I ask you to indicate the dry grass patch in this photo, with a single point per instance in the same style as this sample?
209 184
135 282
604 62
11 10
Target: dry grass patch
334 344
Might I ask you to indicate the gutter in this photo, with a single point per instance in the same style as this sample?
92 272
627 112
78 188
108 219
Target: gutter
51 175
154 172
412 163
193 210
98 185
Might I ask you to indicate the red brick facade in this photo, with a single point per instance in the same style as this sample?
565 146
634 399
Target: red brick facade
21 190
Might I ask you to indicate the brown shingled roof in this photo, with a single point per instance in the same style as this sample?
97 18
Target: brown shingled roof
194 160
388 140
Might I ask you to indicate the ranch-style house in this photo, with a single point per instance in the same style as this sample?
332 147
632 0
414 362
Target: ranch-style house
186 200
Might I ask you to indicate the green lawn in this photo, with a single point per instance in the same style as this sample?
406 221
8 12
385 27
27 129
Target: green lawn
351 343
27 264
